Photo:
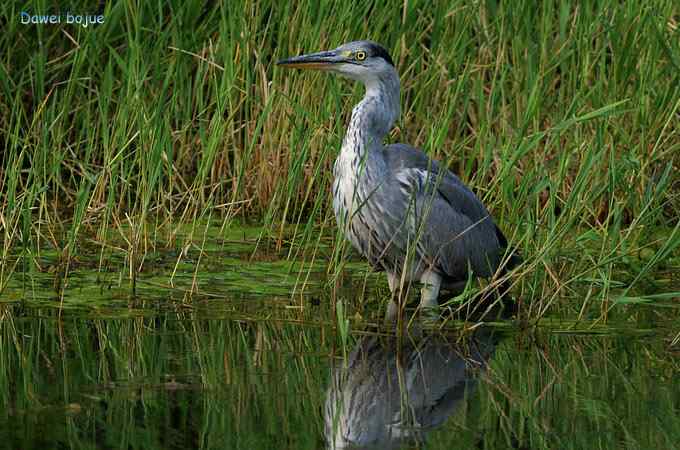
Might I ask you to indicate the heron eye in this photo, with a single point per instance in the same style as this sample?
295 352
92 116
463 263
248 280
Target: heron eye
360 55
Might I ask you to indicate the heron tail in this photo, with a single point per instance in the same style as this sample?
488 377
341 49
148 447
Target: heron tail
515 258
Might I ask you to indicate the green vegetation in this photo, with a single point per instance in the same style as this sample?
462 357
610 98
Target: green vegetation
172 117
170 271
186 378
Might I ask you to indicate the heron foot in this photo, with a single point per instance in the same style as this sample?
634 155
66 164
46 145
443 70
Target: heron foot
429 316
429 307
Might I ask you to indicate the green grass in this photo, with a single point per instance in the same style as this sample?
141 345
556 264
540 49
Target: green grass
563 119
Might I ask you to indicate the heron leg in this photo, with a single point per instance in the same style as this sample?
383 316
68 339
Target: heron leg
429 307
394 305
392 314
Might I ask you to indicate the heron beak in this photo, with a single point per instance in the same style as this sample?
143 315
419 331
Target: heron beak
319 61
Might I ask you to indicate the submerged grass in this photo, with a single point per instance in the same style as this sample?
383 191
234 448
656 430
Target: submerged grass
563 118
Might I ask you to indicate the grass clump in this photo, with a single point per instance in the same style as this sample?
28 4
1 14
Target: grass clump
563 118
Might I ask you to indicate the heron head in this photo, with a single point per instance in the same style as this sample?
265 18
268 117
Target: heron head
358 60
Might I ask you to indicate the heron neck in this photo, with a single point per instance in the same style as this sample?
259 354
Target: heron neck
373 117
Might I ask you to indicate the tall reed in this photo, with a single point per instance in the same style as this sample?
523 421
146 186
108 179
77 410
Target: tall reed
563 118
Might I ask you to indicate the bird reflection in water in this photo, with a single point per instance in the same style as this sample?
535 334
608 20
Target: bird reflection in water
390 393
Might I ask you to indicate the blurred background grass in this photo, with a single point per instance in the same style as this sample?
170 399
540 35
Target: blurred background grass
563 118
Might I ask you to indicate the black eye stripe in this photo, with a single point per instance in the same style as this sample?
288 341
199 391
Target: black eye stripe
378 51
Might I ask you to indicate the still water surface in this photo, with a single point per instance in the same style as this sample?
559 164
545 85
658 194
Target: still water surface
253 369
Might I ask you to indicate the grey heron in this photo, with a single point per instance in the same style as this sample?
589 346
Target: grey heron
404 212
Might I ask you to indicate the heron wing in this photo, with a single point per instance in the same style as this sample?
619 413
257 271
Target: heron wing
454 229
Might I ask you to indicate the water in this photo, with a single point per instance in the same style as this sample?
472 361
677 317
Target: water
243 365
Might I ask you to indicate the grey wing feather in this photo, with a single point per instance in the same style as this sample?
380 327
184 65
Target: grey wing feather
456 229
454 191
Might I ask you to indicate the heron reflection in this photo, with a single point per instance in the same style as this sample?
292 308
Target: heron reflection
389 393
